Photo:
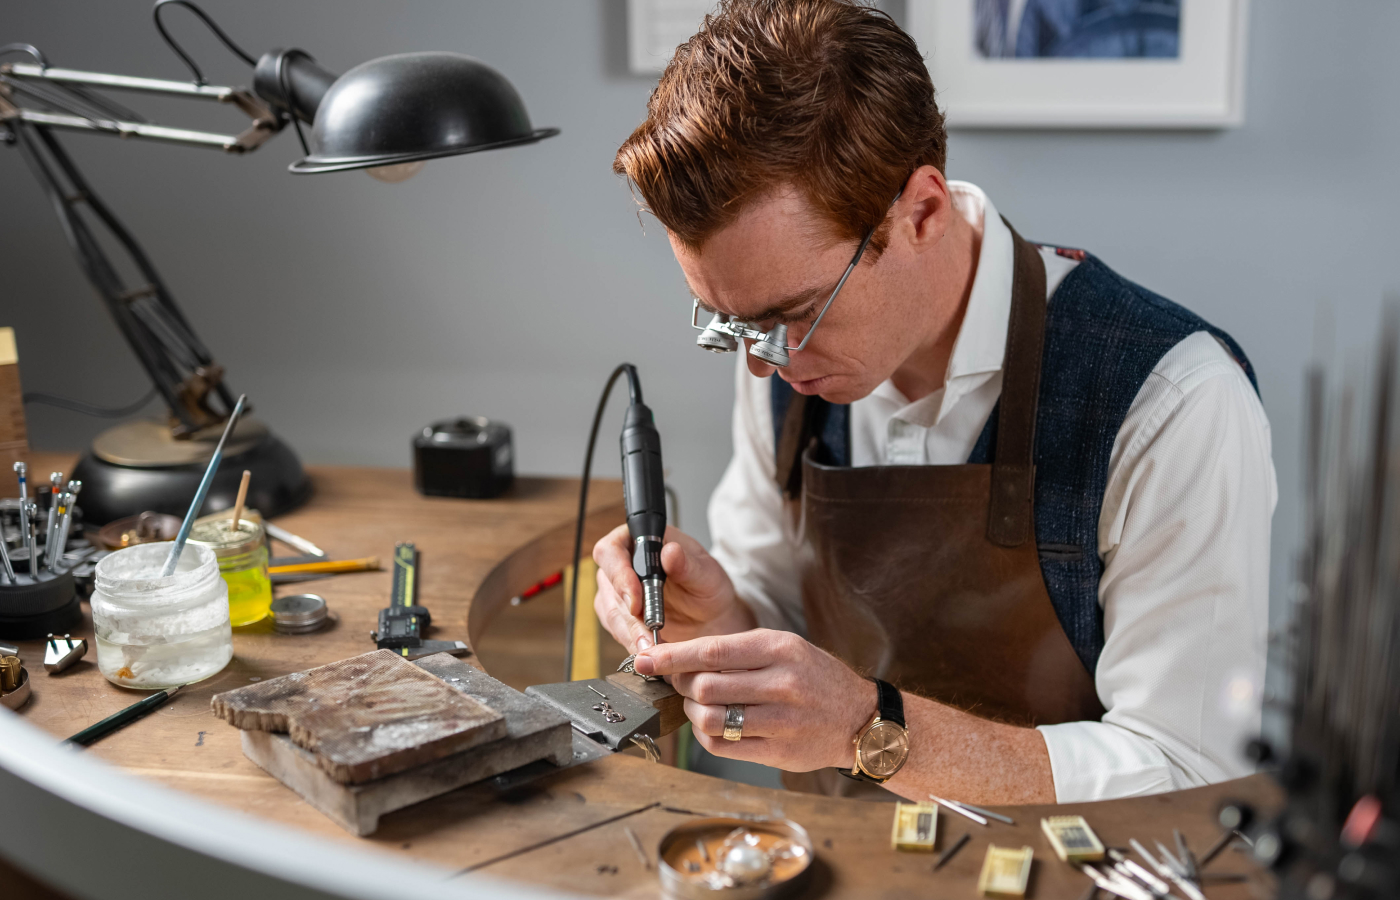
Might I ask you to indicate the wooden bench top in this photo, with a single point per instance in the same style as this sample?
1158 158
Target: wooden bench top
565 830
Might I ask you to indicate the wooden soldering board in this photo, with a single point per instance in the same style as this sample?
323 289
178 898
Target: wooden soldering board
534 732
364 717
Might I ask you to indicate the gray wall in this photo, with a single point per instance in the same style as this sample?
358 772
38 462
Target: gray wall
508 284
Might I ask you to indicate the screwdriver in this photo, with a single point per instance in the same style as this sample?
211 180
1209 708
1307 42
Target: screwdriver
51 531
5 560
65 521
30 509
22 472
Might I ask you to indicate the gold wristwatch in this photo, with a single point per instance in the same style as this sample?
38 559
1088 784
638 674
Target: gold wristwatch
882 746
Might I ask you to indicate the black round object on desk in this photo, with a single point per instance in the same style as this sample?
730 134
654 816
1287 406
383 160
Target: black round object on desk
137 467
33 608
468 457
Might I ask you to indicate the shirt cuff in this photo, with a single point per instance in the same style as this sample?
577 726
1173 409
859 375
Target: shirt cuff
1099 761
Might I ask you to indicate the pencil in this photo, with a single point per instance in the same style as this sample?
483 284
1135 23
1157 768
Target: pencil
328 566
94 733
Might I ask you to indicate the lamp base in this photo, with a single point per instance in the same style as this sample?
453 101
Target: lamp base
138 466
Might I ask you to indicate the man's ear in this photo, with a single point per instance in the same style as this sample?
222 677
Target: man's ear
925 210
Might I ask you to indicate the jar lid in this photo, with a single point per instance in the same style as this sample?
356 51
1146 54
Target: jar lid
298 613
216 532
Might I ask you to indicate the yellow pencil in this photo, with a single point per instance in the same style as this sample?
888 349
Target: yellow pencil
327 566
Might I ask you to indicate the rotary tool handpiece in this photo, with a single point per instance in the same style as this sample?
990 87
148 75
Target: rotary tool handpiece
644 487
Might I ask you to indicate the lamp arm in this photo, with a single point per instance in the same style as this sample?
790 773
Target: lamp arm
177 362
265 121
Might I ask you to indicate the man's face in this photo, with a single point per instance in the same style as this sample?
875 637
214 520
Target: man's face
777 263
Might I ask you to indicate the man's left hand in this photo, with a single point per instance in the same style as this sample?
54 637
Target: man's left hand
802 706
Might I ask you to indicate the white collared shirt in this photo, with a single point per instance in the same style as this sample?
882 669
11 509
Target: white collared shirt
1183 535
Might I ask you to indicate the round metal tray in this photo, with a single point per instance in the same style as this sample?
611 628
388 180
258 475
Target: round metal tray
679 846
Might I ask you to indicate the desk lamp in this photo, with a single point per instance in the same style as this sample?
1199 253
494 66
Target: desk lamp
386 116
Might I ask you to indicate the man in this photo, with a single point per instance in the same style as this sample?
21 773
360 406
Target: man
999 529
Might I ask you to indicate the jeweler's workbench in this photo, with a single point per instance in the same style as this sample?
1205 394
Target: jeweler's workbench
565 830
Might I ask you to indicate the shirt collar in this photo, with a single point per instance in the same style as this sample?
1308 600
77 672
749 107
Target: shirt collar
980 346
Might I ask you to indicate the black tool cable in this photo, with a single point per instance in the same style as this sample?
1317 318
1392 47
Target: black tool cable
286 87
213 26
87 409
634 387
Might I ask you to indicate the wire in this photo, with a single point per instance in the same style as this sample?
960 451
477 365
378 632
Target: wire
25 48
634 386
213 26
675 499
285 85
101 412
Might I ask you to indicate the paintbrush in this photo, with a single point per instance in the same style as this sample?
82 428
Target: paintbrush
183 535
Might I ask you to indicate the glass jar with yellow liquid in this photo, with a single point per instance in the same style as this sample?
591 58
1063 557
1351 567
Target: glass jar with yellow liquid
242 556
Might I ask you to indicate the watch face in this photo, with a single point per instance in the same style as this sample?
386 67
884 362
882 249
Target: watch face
883 749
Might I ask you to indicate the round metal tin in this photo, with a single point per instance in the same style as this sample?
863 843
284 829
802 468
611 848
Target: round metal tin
299 613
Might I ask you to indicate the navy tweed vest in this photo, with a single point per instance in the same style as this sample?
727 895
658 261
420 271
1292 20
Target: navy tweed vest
1103 336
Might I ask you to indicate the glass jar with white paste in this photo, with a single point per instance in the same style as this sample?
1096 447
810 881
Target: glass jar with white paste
156 632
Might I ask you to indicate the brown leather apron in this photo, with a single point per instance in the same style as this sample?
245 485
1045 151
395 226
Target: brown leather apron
929 576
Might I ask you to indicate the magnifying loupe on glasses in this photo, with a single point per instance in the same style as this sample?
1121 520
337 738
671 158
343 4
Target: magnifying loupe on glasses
723 333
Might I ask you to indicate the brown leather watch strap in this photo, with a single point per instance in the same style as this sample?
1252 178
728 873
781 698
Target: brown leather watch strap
1010 520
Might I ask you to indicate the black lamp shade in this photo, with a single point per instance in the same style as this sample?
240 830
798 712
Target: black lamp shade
415 106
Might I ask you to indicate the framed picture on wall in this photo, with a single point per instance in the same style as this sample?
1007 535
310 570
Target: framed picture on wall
1085 63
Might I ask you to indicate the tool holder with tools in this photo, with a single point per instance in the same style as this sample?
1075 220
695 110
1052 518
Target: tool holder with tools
40 599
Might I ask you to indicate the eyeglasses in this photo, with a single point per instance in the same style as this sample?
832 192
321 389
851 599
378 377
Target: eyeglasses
723 333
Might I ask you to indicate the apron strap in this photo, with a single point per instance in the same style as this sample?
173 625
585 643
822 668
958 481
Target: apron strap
793 441
1010 521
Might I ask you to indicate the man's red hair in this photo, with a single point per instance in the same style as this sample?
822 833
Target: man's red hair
829 96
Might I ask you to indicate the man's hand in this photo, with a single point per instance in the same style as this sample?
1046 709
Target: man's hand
700 598
802 706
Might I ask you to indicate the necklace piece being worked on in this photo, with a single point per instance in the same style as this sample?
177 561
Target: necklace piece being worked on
629 666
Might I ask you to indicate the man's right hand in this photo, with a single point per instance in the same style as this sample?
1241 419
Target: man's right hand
700 598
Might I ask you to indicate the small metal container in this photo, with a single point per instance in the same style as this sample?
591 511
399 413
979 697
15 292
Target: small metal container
689 852
299 613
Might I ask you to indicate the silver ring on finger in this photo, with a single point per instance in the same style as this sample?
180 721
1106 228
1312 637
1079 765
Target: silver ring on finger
733 721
